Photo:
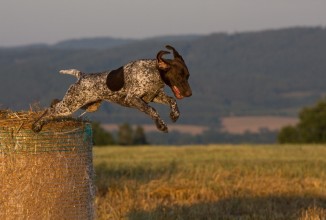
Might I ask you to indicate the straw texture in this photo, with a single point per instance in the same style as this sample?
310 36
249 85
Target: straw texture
48 175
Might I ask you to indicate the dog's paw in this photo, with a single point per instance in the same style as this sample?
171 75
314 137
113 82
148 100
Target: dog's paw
161 125
174 115
37 127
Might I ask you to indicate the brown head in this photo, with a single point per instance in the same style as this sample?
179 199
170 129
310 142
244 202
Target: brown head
174 73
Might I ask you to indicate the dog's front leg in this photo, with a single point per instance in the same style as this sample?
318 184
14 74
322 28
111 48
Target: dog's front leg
162 98
139 104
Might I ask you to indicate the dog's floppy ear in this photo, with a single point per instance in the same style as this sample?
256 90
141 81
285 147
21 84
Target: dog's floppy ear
162 64
175 52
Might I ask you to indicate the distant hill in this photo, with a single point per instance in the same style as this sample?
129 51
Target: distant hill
272 72
92 43
100 43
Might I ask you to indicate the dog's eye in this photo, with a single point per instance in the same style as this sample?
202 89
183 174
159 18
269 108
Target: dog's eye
184 74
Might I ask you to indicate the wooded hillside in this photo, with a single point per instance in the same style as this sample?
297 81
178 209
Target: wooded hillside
273 72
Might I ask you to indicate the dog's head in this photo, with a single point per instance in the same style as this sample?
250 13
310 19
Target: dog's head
174 73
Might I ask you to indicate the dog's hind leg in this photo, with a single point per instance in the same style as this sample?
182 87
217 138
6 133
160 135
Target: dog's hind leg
49 114
39 123
66 107
54 102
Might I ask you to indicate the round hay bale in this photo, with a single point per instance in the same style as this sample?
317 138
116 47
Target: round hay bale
46 175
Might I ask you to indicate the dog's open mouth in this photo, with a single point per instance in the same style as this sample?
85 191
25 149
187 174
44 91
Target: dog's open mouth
176 92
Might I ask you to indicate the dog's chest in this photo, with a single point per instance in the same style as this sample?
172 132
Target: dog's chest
143 79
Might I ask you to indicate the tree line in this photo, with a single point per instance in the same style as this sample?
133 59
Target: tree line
126 135
129 136
311 127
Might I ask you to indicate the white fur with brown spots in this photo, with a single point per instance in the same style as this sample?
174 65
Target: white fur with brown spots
134 85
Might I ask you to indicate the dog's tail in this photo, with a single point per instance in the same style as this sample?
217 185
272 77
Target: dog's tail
73 72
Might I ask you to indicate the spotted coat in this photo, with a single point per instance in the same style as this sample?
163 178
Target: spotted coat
134 85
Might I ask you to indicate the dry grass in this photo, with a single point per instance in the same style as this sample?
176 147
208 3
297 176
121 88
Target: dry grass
25 119
211 182
46 175
45 186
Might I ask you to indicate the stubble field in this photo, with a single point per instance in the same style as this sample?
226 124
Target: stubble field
211 182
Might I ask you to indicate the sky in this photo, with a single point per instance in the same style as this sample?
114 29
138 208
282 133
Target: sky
25 22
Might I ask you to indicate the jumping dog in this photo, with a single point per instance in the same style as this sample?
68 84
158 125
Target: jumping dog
133 85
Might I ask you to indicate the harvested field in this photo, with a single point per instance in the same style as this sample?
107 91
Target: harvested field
232 124
191 129
241 124
211 182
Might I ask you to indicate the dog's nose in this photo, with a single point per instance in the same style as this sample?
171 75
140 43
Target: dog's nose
188 93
